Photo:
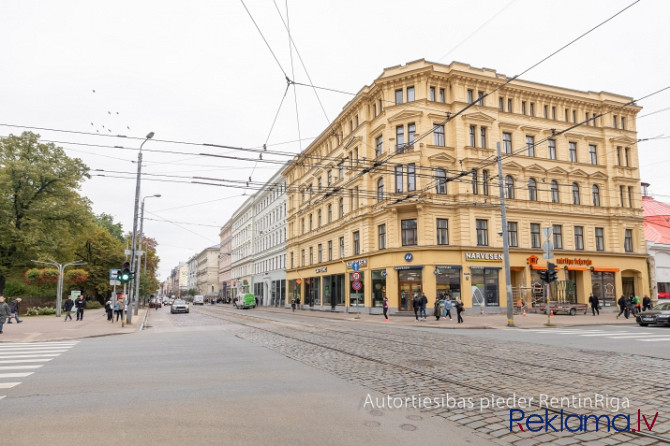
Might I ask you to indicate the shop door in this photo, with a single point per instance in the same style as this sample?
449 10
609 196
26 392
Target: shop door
407 292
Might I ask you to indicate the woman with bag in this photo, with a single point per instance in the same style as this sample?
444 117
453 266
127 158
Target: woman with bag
459 309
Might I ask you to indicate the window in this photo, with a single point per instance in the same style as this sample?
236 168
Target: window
381 236
535 240
532 189
475 182
507 142
340 170
473 131
431 94
374 110
471 94
408 232
567 115
546 112
357 243
553 113
302 257
318 219
575 193
628 240
630 196
523 107
319 187
400 137
380 190
579 238
551 149
618 155
622 195
513 234
410 94
600 239
440 181
319 253
482 232
341 211
532 108
587 119
379 146
330 213
501 104
593 154
623 123
411 177
530 145
302 224
615 120
341 247
574 115
485 182
596 195
398 178
509 187
480 98
442 96
509 105
558 236
554 192
329 177
572 148
292 261
398 96
438 135
311 226
482 136
626 156
330 250
442 231
411 130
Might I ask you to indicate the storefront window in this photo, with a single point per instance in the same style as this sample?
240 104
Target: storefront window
333 290
356 297
602 286
295 290
448 281
410 283
312 291
485 286
378 287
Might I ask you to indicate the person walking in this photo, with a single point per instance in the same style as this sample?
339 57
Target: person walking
14 311
623 306
386 309
646 303
117 309
80 303
423 301
69 303
447 308
459 309
4 312
293 304
109 309
595 304
416 304
638 305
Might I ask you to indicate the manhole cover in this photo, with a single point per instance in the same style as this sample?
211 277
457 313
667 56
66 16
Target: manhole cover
408 427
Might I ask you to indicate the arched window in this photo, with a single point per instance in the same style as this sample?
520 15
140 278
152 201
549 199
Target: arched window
596 195
575 193
554 192
532 189
509 187
380 190
441 181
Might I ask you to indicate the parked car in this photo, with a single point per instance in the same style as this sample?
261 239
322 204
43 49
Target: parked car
244 301
659 315
179 306
198 299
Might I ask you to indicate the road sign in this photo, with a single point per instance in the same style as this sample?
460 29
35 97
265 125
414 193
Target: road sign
356 275
409 257
356 285
548 246
355 266
547 231
113 274
383 273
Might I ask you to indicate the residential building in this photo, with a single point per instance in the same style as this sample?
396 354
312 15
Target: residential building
657 235
225 261
207 281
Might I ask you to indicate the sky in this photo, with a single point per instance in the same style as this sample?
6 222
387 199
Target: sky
202 74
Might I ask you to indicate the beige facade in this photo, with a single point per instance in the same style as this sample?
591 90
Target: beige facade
405 182
225 260
207 281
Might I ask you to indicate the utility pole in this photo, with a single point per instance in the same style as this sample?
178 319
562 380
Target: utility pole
505 236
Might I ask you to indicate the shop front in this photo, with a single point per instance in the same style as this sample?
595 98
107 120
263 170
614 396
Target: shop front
448 281
333 290
485 286
378 287
410 285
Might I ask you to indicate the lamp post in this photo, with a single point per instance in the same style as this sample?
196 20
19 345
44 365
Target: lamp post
139 255
59 286
505 234
135 216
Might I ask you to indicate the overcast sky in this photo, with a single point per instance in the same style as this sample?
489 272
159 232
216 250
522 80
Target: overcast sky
200 72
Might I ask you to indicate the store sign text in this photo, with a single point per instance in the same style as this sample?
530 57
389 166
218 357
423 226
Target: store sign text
575 261
483 257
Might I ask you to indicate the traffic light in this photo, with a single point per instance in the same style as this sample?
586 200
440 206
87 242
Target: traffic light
124 274
544 276
552 274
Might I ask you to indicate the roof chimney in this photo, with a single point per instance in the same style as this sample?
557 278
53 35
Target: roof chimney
644 189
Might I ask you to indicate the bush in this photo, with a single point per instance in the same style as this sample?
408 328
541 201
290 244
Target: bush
40 311
93 305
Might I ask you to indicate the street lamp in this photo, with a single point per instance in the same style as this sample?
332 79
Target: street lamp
139 255
137 205
59 286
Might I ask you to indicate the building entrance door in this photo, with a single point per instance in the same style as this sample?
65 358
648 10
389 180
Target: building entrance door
407 292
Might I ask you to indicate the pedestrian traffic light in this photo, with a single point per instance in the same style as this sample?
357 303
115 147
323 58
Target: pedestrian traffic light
552 274
544 276
124 274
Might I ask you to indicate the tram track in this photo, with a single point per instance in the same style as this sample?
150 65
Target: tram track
432 367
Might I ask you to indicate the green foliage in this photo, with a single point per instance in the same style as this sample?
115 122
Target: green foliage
93 305
40 311
115 229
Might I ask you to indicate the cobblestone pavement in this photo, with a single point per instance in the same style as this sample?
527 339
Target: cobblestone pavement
460 375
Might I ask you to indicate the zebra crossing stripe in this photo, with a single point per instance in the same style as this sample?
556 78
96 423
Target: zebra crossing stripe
8 385
15 375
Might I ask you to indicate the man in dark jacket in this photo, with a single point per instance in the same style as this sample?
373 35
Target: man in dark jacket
416 305
14 310
623 306
80 303
646 303
595 304
69 303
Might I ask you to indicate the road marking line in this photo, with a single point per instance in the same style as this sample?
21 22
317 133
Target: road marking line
8 385
38 344
30 356
18 367
2 396
26 351
25 360
655 339
15 375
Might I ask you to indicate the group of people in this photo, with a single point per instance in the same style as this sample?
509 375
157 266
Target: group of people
443 307
7 312
633 305
79 304
115 308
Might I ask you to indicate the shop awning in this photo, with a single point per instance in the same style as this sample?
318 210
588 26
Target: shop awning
538 267
604 269
578 268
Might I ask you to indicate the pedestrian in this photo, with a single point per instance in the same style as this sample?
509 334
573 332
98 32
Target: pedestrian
386 309
297 302
459 309
424 302
595 304
623 306
439 307
293 304
646 303
80 303
448 305
638 305
416 304
69 303
117 309
14 311
108 309
4 312
631 304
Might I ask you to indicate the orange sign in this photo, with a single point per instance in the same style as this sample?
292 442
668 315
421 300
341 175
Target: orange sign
298 281
532 260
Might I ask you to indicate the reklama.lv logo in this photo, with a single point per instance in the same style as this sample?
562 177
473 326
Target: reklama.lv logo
620 422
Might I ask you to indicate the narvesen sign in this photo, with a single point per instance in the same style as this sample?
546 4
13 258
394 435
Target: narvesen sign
483 257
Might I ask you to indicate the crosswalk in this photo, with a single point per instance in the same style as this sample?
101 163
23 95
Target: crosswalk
635 334
22 359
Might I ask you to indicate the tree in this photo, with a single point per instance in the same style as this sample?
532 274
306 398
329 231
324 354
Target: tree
40 210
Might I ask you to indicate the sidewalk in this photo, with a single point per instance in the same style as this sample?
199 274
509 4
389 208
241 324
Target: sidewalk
52 328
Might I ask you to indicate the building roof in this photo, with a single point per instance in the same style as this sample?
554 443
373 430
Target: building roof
656 220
